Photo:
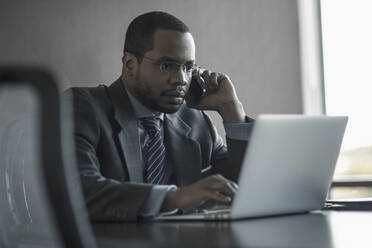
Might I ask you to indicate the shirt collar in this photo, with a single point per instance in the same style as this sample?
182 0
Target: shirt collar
140 110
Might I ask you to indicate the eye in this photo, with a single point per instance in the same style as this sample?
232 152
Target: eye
168 66
190 67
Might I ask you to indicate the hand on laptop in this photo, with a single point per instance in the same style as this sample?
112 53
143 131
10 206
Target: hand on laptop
214 187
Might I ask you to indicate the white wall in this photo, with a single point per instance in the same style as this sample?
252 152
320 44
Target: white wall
254 41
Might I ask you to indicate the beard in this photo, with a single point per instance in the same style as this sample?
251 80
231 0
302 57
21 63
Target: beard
145 95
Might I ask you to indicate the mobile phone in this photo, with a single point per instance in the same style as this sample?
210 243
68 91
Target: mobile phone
196 91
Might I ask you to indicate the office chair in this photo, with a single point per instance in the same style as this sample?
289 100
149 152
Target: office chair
41 203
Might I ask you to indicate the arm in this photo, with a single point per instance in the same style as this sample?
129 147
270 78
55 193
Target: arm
222 98
106 199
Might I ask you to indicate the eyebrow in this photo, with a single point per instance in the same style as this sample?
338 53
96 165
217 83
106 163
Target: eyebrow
166 58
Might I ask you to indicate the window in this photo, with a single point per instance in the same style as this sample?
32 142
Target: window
347 59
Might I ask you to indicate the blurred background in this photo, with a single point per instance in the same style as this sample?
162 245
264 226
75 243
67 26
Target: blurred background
255 42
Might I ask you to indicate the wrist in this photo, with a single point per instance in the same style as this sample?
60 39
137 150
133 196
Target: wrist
232 112
170 200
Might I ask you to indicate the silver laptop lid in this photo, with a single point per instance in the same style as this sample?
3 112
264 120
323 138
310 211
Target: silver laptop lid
289 164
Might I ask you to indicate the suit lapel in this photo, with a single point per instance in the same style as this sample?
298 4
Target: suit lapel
184 152
128 131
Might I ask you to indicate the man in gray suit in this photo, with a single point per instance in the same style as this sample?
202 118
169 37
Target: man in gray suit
143 151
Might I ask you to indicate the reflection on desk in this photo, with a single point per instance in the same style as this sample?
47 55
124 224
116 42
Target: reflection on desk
309 230
165 234
316 229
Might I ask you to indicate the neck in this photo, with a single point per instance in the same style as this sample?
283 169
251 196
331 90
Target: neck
131 92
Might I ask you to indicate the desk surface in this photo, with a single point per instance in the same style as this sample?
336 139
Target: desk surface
316 229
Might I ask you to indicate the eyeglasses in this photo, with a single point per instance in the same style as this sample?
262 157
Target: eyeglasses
170 66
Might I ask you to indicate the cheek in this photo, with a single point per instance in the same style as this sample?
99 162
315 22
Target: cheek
153 84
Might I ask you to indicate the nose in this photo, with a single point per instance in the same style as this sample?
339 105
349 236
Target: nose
179 76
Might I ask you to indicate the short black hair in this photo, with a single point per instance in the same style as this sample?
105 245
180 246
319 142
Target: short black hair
139 35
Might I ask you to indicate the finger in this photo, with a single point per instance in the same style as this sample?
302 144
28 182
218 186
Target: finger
215 195
221 77
223 186
197 72
236 187
206 76
213 83
233 186
206 73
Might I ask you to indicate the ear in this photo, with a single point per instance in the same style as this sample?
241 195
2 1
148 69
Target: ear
130 65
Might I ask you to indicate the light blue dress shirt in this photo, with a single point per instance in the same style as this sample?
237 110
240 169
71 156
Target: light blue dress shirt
158 193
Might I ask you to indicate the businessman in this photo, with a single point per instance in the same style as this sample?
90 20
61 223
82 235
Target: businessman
143 147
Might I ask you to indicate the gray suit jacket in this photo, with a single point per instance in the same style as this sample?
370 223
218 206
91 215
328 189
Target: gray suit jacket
109 157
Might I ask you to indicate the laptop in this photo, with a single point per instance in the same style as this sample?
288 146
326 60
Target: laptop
288 168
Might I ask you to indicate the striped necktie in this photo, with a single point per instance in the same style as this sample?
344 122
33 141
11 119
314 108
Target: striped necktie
154 172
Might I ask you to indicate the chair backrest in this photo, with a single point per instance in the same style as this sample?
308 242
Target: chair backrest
40 196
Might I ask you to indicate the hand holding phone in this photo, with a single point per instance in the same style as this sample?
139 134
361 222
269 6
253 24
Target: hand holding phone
215 91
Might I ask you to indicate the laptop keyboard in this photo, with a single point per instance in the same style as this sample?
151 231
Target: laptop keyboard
213 212
210 207
217 209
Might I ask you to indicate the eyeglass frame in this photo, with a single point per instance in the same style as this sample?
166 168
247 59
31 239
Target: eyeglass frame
179 65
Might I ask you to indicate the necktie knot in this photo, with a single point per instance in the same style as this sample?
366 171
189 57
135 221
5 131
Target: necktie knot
151 124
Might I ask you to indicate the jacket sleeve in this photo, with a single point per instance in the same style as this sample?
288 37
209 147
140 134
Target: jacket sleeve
227 159
106 199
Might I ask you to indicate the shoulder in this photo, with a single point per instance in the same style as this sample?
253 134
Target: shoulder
86 93
90 107
87 97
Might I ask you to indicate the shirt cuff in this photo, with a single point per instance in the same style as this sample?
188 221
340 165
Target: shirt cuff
155 201
239 131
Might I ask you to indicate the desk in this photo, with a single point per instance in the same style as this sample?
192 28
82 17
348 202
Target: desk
316 229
